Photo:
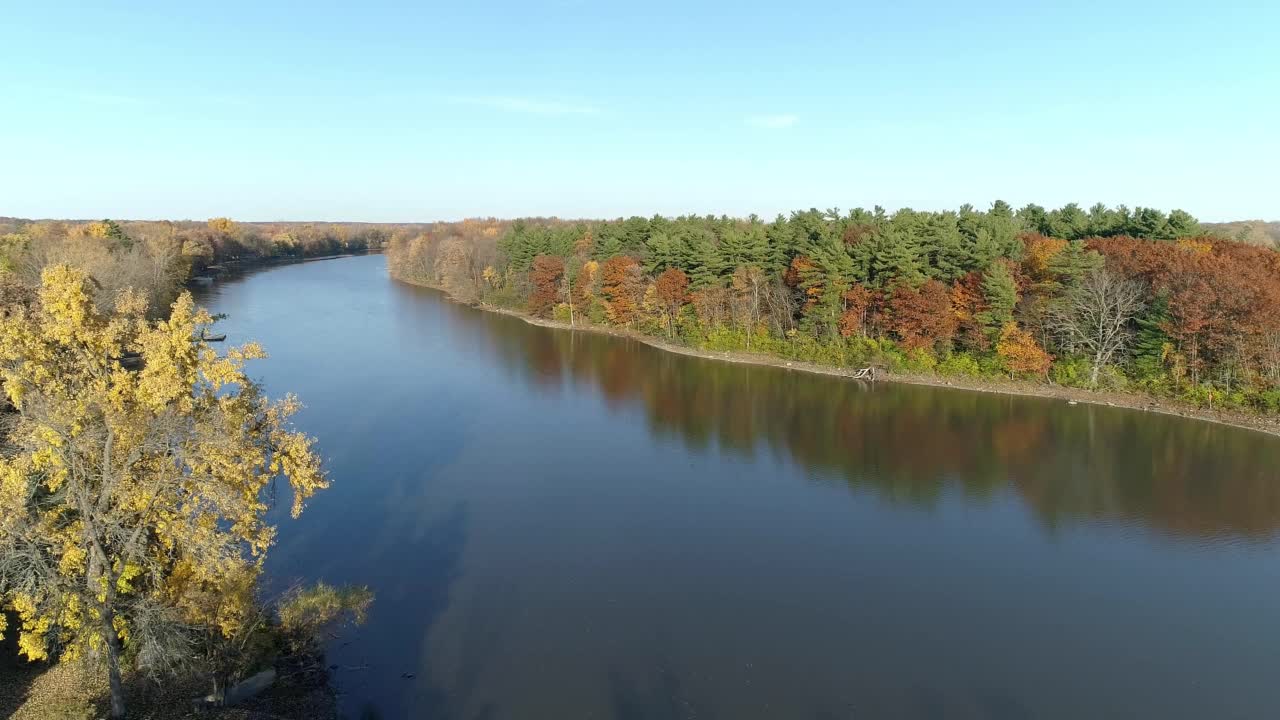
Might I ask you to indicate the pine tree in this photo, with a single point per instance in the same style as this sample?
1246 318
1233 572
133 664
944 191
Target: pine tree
1073 262
898 258
1000 292
705 266
661 253
608 243
1183 224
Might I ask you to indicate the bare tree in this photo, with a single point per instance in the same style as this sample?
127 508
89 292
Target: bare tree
1094 316
749 290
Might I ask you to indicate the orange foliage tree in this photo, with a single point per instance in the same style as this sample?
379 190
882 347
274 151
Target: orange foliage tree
622 284
672 290
858 302
1039 252
1020 353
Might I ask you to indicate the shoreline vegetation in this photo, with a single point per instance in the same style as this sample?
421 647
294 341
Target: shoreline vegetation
109 384
1134 308
1128 401
1129 308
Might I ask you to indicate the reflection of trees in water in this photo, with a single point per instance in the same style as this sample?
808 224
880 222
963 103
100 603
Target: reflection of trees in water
910 444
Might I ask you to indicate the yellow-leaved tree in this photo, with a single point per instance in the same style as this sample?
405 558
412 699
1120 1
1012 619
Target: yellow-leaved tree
134 482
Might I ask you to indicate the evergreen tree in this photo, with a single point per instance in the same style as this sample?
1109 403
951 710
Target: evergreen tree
1000 291
704 265
1151 343
1105 222
1068 222
660 253
1183 224
1151 224
781 249
608 242
1035 219
950 252
898 257
1074 261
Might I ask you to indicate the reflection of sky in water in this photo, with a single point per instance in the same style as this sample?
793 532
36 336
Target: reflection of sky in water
565 525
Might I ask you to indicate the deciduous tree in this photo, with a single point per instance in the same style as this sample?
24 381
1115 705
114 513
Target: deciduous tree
922 317
672 290
1095 316
545 275
623 288
133 489
1020 353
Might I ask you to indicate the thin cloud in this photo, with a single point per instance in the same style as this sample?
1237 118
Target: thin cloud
773 122
527 106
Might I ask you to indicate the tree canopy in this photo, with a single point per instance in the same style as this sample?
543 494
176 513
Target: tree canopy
134 486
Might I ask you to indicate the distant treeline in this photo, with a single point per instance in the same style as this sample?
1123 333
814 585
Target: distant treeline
1108 297
158 257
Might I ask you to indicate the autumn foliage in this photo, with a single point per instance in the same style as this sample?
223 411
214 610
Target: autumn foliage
622 284
1223 297
671 289
922 317
1020 354
1116 297
859 302
545 276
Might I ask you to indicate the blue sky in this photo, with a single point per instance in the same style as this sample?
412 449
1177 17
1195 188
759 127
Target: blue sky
424 111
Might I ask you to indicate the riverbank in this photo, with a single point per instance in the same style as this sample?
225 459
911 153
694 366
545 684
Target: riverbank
37 691
1109 398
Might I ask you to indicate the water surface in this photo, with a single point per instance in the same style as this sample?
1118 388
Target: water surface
565 525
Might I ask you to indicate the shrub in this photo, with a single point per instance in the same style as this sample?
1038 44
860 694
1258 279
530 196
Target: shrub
991 365
722 338
1269 400
596 312
1071 372
921 360
959 364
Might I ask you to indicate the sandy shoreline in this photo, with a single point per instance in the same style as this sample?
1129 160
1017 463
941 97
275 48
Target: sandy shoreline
1133 401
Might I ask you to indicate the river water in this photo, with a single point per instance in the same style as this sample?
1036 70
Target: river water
565 525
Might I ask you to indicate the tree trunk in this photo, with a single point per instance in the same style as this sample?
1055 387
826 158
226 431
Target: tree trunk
1093 375
112 640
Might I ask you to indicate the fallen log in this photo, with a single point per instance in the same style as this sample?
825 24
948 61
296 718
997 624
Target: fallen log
866 373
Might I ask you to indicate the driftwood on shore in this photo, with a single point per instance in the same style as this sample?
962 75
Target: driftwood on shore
866 373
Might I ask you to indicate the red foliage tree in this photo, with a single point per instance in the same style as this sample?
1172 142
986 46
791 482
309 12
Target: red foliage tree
967 300
545 276
922 317
858 303
1222 295
672 290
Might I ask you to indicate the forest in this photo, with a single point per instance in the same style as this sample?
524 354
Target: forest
1104 298
157 258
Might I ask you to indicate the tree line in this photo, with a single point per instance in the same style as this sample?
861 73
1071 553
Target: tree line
158 257
836 430
1112 298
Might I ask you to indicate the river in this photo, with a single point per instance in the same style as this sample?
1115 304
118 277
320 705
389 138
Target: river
567 525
